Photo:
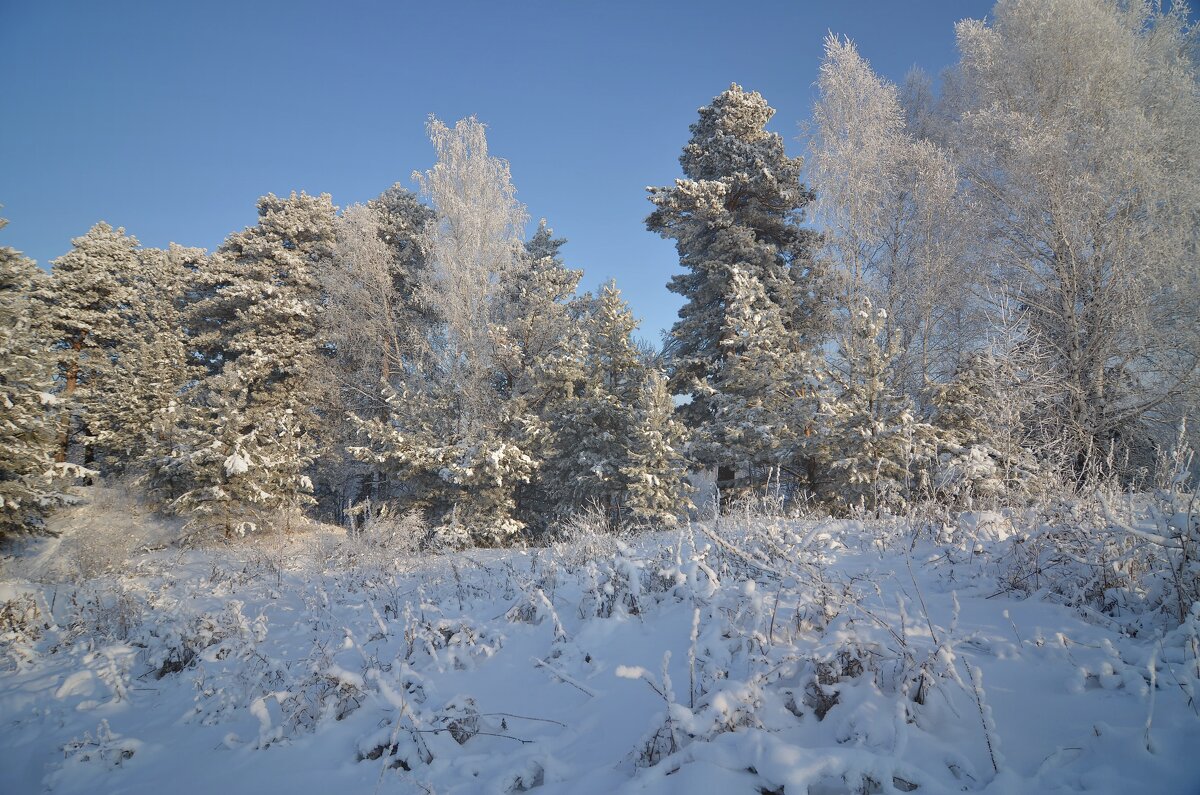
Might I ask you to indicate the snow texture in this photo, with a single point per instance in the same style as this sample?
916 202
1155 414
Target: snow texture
749 655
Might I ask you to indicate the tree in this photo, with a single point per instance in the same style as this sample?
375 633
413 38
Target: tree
764 394
739 209
253 435
895 224
657 490
376 326
982 419
475 249
162 368
591 433
465 487
30 481
538 336
87 306
150 365
1075 124
873 448
452 428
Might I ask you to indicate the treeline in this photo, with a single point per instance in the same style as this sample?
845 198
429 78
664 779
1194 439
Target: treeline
987 293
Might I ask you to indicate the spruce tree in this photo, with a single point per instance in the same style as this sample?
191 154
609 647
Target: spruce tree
764 391
873 449
739 208
30 482
655 472
592 431
538 336
614 442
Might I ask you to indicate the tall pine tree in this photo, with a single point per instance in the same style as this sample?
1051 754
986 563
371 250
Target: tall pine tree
87 306
252 438
739 209
30 482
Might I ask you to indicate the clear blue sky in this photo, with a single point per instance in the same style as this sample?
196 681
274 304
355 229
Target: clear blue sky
171 118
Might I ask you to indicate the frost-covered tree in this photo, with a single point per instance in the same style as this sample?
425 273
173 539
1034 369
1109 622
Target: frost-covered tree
245 466
657 490
981 419
465 488
764 392
151 365
1075 122
538 337
535 328
475 250
739 208
376 327
253 436
86 312
30 481
591 433
874 450
888 202
614 442
374 317
450 432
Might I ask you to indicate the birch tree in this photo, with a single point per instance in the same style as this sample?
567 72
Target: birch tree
1076 127
896 227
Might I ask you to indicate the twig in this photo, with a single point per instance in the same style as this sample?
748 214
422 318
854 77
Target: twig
921 598
563 677
487 734
525 717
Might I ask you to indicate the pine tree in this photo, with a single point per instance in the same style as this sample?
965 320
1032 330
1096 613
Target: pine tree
150 364
875 451
252 438
87 307
30 482
163 367
739 209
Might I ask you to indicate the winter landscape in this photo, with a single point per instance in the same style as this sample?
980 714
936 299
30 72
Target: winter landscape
394 497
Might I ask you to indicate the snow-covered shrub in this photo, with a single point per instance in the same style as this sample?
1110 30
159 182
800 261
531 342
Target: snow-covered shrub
22 624
585 536
613 586
445 642
106 749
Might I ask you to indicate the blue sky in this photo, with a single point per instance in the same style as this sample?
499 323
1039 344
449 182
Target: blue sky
170 119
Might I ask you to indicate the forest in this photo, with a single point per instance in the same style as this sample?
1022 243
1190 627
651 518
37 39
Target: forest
959 335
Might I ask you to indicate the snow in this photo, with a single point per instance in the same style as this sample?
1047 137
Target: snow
668 663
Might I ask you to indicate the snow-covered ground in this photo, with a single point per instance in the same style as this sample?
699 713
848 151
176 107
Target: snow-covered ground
756 656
